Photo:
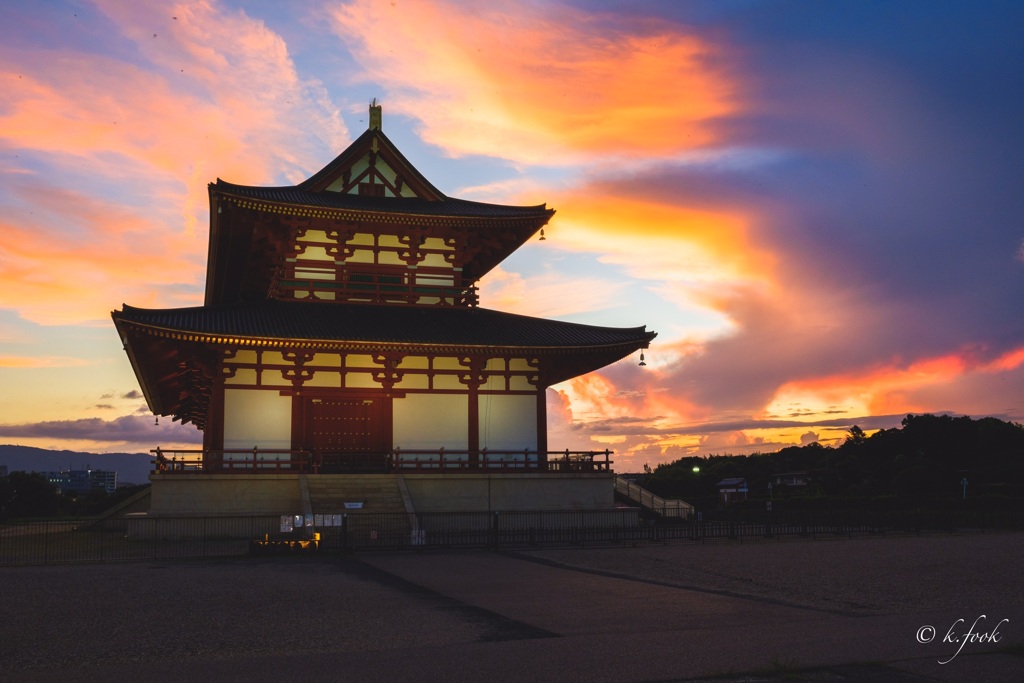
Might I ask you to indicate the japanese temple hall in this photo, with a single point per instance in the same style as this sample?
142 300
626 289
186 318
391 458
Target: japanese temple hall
342 336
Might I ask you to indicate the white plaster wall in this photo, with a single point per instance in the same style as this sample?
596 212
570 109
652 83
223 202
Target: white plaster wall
429 422
508 423
257 418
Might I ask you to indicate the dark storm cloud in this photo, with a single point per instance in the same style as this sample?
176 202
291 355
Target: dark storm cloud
900 123
880 154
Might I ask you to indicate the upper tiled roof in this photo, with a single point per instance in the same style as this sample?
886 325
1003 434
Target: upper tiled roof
404 205
298 321
312 193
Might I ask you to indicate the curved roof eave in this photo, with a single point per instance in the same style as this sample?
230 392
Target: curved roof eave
336 325
294 197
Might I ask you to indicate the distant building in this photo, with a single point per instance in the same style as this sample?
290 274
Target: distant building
792 479
732 489
83 481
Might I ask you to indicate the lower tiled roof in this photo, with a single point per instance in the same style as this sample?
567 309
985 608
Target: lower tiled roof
271 321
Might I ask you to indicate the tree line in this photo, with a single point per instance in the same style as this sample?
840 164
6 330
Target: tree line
29 495
936 457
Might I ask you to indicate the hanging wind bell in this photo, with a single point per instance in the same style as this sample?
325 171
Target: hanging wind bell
642 363
542 237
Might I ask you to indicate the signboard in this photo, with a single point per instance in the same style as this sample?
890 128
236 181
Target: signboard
353 506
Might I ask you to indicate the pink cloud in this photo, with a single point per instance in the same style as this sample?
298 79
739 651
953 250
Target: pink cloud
215 93
56 277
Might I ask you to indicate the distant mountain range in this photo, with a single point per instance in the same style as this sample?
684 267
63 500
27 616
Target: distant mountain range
131 468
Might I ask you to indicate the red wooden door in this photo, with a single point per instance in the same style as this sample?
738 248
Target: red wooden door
346 434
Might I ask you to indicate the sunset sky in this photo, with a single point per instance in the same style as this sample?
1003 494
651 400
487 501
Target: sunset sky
819 206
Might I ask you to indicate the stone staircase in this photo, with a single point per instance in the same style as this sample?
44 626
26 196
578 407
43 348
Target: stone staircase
328 493
635 494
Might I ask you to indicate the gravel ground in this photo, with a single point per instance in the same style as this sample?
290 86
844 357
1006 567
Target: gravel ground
64 617
859 576
221 613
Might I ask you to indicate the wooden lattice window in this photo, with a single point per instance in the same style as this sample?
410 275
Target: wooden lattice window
371 190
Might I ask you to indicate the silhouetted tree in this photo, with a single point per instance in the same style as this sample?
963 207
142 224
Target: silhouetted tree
31 495
856 436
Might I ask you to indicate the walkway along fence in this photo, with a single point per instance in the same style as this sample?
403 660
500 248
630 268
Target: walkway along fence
147 538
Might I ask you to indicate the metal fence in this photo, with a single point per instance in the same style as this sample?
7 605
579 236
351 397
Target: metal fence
156 538
727 525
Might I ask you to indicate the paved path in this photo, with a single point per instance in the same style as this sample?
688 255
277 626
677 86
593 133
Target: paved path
456 616
617 629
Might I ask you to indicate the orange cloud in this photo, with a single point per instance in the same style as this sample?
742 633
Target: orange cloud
79 276
697 266
1011 360
660 241
41 362
541 83
889 389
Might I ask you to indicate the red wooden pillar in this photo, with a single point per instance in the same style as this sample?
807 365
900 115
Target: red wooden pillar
542 429
213 434
473 436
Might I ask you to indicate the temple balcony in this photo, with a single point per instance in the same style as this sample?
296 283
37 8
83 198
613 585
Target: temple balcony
377 293
445 461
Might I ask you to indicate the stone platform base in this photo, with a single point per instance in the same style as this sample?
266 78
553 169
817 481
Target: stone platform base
219 495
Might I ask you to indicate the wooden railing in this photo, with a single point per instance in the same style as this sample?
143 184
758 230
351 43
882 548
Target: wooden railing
269 461
498 460
231 461
375 292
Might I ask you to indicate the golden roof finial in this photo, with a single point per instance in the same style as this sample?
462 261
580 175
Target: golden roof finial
375 115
